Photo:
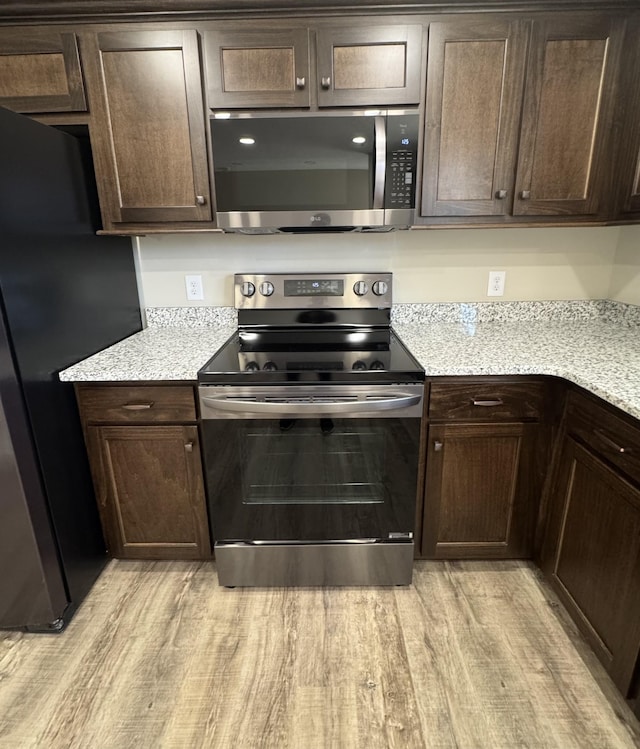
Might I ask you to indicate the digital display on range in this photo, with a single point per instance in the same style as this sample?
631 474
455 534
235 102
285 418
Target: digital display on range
314 287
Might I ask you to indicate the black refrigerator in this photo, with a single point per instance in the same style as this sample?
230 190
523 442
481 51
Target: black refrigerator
65 293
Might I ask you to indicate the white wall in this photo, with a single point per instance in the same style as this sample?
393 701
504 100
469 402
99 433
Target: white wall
625 278
445 265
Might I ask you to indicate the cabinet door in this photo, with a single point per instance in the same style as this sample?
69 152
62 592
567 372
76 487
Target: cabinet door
633 201
474 93
567 117
480 491
628 171
252 69
596 564
149 139
374 66
150 491
40 72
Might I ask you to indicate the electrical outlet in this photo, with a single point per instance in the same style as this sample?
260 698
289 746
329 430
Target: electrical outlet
194 287
496 283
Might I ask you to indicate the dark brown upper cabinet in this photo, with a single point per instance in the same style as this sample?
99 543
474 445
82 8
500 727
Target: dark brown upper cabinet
375 65
633 199
475 76
148 133
248 69
40 71
360 66
572 78
519 116
629 153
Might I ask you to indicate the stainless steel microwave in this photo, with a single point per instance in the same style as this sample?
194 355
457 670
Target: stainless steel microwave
314 172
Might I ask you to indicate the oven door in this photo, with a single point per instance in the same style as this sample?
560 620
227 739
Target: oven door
312 464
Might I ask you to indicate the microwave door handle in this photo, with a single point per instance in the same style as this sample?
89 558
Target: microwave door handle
380 168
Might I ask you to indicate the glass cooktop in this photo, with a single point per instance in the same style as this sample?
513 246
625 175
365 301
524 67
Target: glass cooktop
287 355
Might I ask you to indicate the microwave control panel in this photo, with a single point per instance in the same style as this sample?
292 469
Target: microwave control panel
402 160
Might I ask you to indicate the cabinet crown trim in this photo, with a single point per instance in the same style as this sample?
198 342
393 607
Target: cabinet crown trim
104 10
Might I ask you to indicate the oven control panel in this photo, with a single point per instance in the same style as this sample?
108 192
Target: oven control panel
313 291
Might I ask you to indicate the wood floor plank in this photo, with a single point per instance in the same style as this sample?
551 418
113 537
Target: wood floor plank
472 655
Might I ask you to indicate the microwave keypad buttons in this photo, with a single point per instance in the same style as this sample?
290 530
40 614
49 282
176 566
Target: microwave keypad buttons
401 183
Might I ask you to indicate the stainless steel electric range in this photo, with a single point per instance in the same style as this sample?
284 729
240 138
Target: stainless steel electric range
311 418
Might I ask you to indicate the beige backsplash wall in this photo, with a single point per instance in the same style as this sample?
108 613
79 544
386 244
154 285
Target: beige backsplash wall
428 265
625 278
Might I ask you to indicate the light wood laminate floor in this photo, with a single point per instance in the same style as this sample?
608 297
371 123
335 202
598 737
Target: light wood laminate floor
471 655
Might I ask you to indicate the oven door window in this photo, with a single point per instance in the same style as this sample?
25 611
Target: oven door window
313 461
311 479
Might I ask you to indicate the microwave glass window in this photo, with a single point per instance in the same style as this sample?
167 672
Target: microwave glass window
271 164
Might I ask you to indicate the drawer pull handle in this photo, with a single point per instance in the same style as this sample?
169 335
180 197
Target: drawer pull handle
608 441
188 448
487 403
437 446
300 82
138 406
325 82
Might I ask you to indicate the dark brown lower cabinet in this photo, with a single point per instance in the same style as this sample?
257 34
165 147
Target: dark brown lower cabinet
485 466
144 453
480 491
150 491
595 564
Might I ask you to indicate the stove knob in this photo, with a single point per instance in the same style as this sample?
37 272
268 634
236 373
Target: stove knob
247 289
270 366
380 288
266 288
251 367
377 364
360 288
359 365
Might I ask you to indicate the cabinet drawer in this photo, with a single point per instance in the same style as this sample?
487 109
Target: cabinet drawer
485 401
138 404
608 435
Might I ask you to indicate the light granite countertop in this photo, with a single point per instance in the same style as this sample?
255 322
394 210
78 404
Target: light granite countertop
597 355
155 353
596 351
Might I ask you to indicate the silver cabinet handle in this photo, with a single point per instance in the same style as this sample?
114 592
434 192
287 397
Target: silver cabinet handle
525 194
487 403
300 82
610 443
309 407
325 82
188 448
501 194
437 446
201 200
138 406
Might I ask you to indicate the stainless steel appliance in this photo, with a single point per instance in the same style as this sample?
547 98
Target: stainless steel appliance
65 293
311 430
325 171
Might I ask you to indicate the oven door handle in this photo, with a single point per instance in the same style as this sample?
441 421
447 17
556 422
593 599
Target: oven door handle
309 407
